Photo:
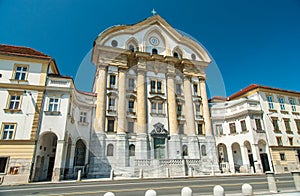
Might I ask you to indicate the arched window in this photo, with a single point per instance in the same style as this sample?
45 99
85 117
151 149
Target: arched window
203 150
185 150
110 150
154 51
80 150
131 150
175 54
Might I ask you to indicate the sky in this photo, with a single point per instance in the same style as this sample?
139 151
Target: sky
251 41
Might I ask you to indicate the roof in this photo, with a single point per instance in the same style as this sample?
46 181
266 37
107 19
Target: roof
22 51
257 86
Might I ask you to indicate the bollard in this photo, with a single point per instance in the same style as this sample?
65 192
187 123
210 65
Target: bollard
112 174
167 172
219 191
79 175
271 182
109 194
150 193
247 190
296 177
186 191
141 174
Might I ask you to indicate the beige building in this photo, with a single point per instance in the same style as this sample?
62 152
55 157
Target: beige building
281 117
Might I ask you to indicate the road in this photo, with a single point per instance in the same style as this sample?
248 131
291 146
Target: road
199 185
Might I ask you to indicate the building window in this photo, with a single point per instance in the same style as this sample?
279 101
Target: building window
258 124
131 106
131 84
111 104
131 47
179 109
243 125
282 156
3 162
270 102
21 72
53 104
178 89
232 128
219 129
281 102
131 150
157 107
156 86
203 150
200 129
185 150
275 124
110 125
110 150
195 89
82 117
292 102
14 101
291 141
112 81
287 125
298 125
279 141
130 127
154 51
197 108
8 131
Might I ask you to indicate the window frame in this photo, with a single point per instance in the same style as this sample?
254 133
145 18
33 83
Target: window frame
270 102
281 103
219 129
83 117
131 85
277 125
13 131
156 86
258 120
112 86
8 103
279 141
55 103
282 156
287 125
293 104
15 72
243 126
231 126
108 130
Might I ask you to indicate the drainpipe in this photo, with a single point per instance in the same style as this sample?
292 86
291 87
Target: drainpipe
39 126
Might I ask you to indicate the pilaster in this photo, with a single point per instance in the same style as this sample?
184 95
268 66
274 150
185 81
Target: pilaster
206 114
58 169
189 109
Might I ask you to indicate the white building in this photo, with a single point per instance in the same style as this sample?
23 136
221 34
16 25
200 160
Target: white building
240 135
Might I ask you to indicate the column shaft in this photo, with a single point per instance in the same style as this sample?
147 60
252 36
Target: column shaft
58 163
141 102
99 124
206 114
172 112
189 109
122 102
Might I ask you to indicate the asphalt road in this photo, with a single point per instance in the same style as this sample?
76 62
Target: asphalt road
199 185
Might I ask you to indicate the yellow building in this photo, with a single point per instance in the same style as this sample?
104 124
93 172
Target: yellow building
22 84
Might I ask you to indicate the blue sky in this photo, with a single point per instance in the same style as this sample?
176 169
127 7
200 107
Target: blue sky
251 41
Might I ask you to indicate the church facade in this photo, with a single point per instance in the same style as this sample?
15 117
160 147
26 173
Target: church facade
152 112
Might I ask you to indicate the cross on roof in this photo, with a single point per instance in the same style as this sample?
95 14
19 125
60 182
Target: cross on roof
153 12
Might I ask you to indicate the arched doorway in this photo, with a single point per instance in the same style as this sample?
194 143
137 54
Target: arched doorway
45 157
79 157
263 155
237 156
223 157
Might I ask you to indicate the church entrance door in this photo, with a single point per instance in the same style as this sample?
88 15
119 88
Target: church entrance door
159 148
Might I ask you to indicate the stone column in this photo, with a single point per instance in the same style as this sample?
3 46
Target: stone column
71 161
141 140
122 144
256 158
174 142
99 125
193 147
230 158
245 159
206 114
57 174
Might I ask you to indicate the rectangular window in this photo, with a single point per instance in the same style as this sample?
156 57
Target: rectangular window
291 141
219 129
287 124
195 88
200 129
243 125
281 102
131 106
158 86
8 131
53 104
160 108
178 89
131 84
258 124
130 127
110 125
82 118
270 102
112 81
197 108
292 103
14 102
111 104
232 128
275 124
21 72
279 141
153 107
298 125
157 108
3 162
153 84
282 156
179 110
